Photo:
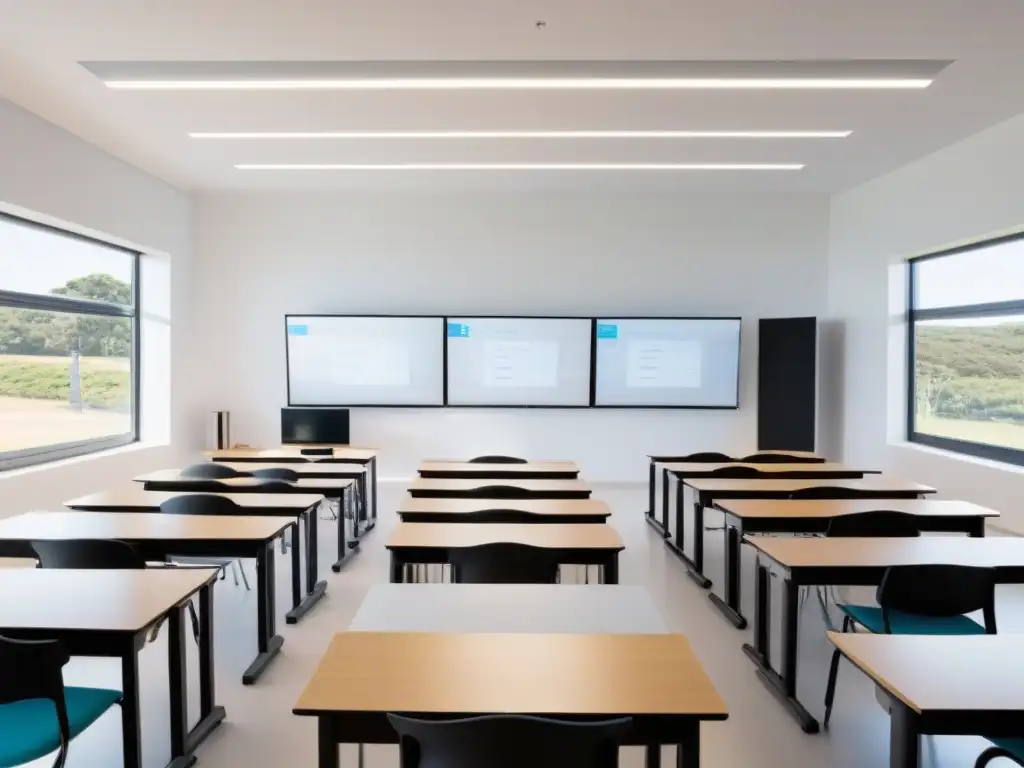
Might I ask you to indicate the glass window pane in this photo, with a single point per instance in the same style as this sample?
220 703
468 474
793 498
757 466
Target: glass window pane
984 275
63 378
36 260
969 380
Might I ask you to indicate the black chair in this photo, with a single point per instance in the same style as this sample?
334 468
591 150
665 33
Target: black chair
508 741
706 457
271 485
207 504
1011 749
503 563
316 451
98 554
737 470
779 458
276 473
877 522
497 459
500 492
826 492
211 471
499 516
922 600
38 714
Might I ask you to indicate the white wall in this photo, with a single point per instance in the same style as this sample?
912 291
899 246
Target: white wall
49 175
261 255
964 192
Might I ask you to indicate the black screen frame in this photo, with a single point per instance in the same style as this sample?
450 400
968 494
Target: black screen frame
593 366
444 351
348 425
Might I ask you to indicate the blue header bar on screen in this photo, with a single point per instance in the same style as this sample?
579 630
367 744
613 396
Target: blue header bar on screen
607 331
298 330
458 331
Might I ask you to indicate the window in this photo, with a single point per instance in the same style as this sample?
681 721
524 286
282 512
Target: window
966 347
68 344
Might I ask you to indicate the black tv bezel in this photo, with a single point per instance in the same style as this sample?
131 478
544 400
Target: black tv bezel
316 408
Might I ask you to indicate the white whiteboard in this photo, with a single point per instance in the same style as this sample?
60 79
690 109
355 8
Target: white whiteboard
338 360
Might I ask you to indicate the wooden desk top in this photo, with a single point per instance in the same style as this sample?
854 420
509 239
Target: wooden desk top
136 498
466 484
871 483
458 535
538 674
120 601
455 506
550 608
138 526
697 467
227 454
1004 551
941 673
304 469
480 467
319 485
803 508
797 454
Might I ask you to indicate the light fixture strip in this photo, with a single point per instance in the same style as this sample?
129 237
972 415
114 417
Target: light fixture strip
519 166
511 134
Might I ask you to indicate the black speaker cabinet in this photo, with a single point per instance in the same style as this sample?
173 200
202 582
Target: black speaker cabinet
787 384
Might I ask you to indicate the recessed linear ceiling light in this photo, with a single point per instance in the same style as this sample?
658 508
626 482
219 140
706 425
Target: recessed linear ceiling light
523 135
526 83
520 166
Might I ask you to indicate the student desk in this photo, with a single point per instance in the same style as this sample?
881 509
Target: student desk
708 490
424 487
366 457
419 510
531 470
171 480
553 608
419 543
654 459
813 516
109 613
157 537
845 562
941 685
654 678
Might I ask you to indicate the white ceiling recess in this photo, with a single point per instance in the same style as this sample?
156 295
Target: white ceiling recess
970 51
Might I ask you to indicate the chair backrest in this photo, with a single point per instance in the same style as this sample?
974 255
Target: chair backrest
271 485
503 563
94 554
736 470
876 522
939 590
317 451
276 473
498 516
779 458
32 669
508 741
199 504
706 457
826 492
500 492
497 459
212 471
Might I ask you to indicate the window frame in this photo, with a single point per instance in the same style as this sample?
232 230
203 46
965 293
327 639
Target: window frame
999 453
54 303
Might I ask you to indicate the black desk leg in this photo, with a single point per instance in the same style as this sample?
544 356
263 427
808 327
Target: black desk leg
268 643
697 566
373 482
369 511
131 725
904 735
730 607
664 503
610 569
210 715
178 688
652 502
688 751
652 476
343 547
677 537
327 746
781 685
976 529
397 569
301 605
652 756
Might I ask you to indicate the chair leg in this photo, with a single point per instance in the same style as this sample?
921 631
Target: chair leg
195 621
234 572
245 579
833 678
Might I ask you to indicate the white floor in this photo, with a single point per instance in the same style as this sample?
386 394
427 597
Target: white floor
261 731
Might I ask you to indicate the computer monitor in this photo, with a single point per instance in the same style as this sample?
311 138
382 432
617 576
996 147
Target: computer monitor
314 425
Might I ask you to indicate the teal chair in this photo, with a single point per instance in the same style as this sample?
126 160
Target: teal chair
922 600
37 713
1011 749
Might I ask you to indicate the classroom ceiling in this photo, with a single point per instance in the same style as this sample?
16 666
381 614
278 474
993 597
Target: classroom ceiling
54 55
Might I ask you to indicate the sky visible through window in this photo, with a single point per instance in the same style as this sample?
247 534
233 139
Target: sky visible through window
991 274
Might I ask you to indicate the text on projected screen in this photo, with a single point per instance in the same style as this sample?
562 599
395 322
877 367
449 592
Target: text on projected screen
663 363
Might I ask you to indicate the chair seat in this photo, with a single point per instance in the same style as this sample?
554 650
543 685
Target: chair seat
30 727
901 623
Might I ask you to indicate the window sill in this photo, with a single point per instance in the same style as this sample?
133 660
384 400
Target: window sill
121 450
966 458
